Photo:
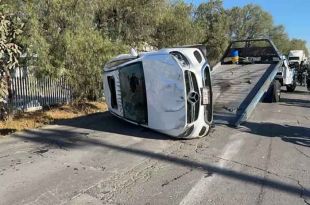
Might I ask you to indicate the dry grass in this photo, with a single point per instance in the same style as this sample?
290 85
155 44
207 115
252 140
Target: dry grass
39 118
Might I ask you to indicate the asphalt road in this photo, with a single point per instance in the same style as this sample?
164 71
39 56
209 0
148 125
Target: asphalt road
99 159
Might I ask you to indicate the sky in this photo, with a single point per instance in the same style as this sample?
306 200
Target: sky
293 14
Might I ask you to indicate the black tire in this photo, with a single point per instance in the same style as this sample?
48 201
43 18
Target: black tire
273 93
291 88
299 78
308 84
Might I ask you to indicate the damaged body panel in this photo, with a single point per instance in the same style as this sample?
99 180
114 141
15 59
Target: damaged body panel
161 90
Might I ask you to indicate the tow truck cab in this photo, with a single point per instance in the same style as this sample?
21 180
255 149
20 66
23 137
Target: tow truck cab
168 91
286 75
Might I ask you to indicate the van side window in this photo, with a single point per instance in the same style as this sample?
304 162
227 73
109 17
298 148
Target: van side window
111 83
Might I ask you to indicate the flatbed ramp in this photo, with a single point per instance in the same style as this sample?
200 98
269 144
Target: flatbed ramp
237 89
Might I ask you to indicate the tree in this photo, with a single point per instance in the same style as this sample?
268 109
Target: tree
213 20
10 28
66 41
86 51
299 44
280 38
176 27
132 22
250 21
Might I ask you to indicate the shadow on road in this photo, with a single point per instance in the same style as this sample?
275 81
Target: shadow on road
6 131
288 133
302 92
68 139
296 102
298 135
106 122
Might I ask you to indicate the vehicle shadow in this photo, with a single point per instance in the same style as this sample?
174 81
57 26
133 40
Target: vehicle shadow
297 92
294 134
106 122
72 140
295 102
6 131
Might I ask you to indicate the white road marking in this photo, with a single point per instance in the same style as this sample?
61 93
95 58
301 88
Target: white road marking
196 194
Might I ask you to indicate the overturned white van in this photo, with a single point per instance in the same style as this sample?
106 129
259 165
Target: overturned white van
168 90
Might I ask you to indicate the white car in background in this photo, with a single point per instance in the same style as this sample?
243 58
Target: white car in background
168 90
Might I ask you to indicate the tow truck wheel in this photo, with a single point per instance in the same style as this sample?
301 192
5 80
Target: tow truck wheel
274 92
291 88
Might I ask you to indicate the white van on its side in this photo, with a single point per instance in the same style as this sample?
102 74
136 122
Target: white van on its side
168 90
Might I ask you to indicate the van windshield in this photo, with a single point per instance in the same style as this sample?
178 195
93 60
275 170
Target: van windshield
133 92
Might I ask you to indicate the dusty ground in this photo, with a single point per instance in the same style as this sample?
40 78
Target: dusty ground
99 159
39 118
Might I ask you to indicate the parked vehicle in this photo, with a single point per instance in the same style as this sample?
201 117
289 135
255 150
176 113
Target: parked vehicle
168 90
286 75
297 59
296 56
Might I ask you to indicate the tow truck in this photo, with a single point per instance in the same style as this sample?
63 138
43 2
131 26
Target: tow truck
174 91
287 75
239 86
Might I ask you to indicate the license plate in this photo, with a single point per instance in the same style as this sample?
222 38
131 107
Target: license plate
205 96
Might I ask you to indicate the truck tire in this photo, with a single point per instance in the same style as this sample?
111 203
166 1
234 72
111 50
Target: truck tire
291 88
273 93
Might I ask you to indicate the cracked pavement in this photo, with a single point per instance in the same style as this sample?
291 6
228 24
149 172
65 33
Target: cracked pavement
100 159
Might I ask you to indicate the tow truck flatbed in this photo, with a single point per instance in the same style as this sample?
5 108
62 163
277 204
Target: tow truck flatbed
238 88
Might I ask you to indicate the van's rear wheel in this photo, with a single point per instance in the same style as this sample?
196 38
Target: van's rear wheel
274 92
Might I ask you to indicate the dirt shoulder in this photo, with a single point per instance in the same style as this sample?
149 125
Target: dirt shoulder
39 118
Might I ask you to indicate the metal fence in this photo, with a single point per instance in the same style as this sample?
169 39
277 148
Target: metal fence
30 93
